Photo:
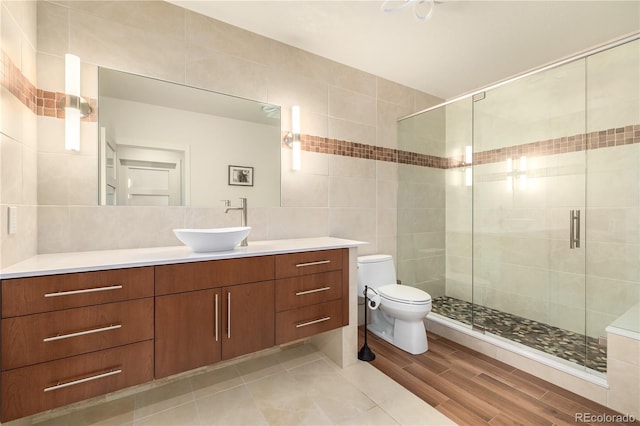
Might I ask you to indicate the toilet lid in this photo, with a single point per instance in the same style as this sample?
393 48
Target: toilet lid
404 294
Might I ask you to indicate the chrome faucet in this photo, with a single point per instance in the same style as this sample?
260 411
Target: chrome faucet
243 217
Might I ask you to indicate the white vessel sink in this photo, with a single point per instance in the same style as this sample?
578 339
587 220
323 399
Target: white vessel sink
214 239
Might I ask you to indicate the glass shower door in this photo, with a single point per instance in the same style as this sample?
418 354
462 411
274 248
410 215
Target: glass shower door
529 211
613 196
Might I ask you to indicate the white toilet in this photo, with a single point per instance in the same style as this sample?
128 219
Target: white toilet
403 308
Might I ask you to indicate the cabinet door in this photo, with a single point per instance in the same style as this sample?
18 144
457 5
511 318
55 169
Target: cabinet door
249 317
188 333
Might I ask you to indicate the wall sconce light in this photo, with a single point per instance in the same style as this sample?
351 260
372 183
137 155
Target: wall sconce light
467 162
74 106
293 138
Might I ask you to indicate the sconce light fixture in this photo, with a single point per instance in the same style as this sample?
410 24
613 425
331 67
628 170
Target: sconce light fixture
422 9
467 162
520 172
468 159
74 106
293 138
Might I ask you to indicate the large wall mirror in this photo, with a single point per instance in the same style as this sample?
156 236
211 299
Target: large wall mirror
165 144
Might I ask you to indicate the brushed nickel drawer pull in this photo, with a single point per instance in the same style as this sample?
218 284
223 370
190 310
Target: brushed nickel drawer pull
304 324
88 290
320 262
82 333
86 379
315 290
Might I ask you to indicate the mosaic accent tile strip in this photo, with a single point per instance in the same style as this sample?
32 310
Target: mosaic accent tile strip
46 103
552 340
16 83
602 139
606 138
40 102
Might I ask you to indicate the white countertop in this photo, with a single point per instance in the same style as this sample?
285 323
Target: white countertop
63 263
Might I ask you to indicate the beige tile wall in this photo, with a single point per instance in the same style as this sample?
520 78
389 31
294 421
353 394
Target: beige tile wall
331 195
18 136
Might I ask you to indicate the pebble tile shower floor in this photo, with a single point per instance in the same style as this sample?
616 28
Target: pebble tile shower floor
546 338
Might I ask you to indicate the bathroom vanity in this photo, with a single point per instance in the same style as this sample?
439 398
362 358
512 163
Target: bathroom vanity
79 325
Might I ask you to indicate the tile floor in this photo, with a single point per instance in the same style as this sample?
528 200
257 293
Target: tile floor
295 386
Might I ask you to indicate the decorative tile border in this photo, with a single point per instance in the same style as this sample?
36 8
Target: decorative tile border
594 140
40 102
606 138
16 83
46 103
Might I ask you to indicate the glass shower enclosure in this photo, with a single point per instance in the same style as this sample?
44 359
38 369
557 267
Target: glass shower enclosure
520 213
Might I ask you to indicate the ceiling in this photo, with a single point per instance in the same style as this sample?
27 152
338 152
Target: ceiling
465 45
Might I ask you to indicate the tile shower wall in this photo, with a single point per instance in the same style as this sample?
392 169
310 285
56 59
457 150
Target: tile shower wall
421 204
332 195
521 264
18 135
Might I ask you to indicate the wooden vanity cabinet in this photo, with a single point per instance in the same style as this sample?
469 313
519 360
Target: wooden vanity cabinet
187 331
70 337
312 293
232 317
248 315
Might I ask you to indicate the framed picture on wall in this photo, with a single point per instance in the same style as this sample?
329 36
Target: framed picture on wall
240 176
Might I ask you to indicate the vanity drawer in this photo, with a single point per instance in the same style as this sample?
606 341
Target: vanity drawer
181 277
32 339
307 321
24 296
306 263
308 290
40 387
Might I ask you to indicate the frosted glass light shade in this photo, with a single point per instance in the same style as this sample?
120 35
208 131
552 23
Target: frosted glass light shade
71 75
72 129
296 155
72 115
295 120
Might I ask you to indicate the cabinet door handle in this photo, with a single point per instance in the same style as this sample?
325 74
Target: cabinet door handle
315 290
320 262
304 324
229 315
86 379
216 317
82 333
86 290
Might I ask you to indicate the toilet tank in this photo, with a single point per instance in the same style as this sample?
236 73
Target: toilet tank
375 271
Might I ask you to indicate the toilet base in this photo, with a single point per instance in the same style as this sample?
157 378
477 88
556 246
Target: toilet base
408 336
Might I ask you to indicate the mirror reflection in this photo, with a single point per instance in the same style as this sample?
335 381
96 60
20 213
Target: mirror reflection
166 144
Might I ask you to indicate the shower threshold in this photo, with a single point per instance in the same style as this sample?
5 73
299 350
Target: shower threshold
555 341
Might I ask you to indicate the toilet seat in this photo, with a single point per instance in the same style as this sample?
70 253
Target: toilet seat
404 294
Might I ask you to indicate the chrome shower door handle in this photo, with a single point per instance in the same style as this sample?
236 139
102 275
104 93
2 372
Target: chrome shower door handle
574 229
577 229
571 229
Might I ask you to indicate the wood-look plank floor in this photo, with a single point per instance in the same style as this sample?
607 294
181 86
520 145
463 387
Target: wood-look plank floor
473 389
